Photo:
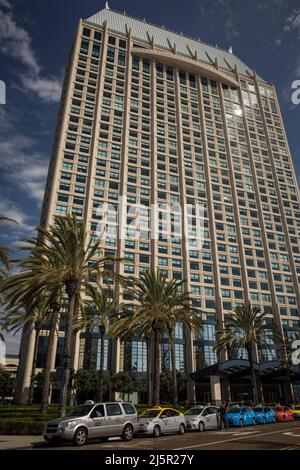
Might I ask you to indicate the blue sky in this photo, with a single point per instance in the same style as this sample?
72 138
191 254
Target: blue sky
35 38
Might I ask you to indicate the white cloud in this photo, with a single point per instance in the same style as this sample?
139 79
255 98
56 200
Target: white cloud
10 210
293 22
48 89
5 4
20 163
16 42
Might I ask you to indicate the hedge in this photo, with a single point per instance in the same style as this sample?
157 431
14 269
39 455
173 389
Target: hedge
21 428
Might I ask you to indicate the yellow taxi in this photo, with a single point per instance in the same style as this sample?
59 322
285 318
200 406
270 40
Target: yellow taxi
161 420
296 411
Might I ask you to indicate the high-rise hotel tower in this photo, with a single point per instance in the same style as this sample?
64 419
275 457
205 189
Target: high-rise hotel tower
152 117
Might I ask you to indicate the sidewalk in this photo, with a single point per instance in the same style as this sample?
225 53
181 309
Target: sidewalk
18 442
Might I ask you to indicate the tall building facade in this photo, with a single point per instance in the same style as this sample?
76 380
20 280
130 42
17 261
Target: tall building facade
155 118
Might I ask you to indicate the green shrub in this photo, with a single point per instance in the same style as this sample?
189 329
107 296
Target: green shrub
21 428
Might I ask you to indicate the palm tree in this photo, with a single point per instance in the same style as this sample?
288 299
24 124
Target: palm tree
4 259
159 304
244 329
179 311
27 286
286 351
63 256
34 317
54 303
98 314
79 262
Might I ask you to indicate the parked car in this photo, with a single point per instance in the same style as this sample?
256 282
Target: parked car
283 414
201 418
157 421
241 416
296 411
264 414
101 420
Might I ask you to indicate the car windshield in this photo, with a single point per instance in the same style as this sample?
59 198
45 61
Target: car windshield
258 409
150 414
80 410
234 409
194 411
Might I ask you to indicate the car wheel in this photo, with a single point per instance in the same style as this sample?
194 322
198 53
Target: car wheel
201 426
80 437
127 433
156 431
241 423
181 429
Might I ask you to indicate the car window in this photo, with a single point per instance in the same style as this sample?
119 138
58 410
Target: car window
80 411
150 414
193 412
233 409
129 409
173 413
113 410
212 411
98 412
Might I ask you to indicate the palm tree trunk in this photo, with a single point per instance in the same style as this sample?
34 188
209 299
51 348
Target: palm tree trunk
102 346
47 370
34 362
149 370
174 371
253 375
67 352
156 391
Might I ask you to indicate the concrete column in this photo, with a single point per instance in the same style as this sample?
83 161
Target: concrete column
225 390
288 393
25 365
260 391
215 389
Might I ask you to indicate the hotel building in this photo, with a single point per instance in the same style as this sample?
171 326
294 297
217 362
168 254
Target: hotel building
158 118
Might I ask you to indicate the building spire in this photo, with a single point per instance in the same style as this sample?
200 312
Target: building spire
106 6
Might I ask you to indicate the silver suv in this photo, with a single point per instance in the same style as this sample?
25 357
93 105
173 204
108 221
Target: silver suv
97 420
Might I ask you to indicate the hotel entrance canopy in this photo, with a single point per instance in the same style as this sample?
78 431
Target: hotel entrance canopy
238 370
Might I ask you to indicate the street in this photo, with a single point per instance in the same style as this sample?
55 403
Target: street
280 436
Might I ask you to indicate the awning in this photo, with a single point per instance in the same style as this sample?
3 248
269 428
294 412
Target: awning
239 369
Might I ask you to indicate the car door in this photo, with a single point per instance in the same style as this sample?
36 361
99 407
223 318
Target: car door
213 416
98 422
114 418
267 414
175 420
207 416
245 416
166 421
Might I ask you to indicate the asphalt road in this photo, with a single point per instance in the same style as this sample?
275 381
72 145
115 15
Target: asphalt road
280 436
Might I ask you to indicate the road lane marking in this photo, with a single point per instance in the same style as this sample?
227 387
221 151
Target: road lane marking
235 433
290 448
229 440
291 434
